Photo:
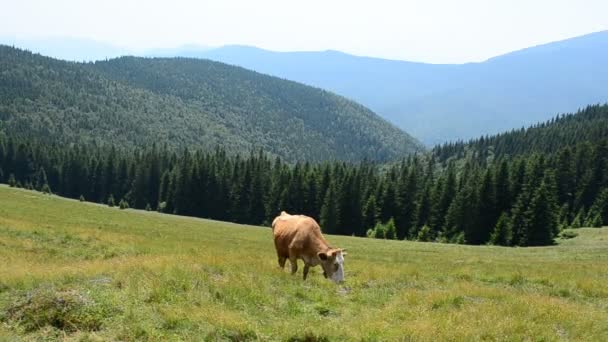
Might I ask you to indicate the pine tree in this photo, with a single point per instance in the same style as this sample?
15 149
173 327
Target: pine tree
379 231
330 212
11 181
41 179
123 204
542 216
406 198
502 187
425 234
391 229
601 205
111 202
370 213
502 233
46 189
577 222
487 215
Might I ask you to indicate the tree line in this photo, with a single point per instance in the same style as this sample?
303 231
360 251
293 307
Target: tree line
523 200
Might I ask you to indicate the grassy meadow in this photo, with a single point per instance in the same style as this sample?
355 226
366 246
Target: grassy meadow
86 272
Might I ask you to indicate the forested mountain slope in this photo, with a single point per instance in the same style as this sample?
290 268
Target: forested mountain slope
134 102
522 199
587 125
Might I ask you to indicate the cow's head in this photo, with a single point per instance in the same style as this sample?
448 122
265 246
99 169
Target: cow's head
332 262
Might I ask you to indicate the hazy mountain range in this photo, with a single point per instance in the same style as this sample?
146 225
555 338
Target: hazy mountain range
441 102
436 103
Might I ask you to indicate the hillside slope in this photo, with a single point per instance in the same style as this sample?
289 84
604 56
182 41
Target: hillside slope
589 125
186 103
80 271
439 103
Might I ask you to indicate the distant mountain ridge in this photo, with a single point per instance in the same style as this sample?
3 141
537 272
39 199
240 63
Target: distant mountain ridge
443 102
434 102
181 102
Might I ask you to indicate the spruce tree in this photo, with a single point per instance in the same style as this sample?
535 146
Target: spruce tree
577 222
425 234
370 213
111 202
487 215
391 229
542 216
11 181
330 212
502 233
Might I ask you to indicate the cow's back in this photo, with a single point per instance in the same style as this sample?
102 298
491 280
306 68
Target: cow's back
296 232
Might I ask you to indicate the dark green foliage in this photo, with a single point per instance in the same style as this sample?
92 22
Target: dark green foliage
578 219
541 218
383 231
391 229
589 124
330 211
596 221
135 102
507 200
11 181
502 234
425 234
111 201
123 204
46 189
370 212
81 198
601 205
568 234
379 232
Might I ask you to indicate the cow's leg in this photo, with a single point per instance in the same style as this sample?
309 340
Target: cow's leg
294 264
282 260
306 268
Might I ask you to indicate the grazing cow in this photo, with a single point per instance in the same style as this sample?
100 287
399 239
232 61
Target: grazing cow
299 237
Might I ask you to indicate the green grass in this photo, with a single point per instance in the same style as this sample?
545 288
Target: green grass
80 271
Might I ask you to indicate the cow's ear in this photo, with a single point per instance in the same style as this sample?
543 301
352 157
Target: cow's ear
322 256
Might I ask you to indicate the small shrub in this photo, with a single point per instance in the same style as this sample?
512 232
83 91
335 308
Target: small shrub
68 310
148 207
46 189
123 204
111 202
390 229
163 205
568 234
459 239
11 181
425 234
308 337
81 199
578 219
596 221
231 335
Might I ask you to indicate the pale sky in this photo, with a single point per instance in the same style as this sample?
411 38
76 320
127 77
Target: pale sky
419 30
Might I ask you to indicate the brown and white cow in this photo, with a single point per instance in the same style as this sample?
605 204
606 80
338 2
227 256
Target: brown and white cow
299 237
